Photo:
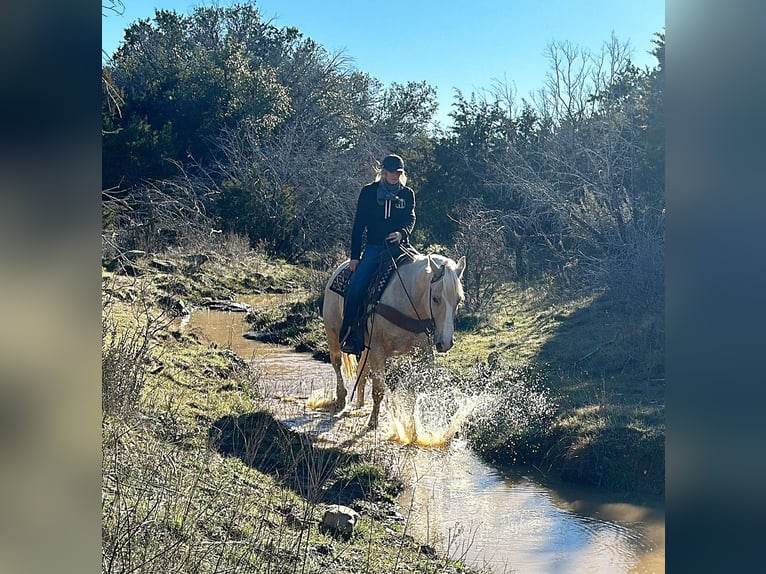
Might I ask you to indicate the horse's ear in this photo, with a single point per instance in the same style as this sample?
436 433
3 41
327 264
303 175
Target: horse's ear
433 267
460 267
438 273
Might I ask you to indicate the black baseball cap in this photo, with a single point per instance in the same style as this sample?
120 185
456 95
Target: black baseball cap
393 163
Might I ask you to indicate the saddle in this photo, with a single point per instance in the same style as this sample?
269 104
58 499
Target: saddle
378 281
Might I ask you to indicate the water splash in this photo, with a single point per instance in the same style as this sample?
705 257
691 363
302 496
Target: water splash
430 418
429 406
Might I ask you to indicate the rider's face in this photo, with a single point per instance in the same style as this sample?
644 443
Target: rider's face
392 177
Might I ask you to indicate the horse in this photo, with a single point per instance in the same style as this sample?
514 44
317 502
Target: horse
415 311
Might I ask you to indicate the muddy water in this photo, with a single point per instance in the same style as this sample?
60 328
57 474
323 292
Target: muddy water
505 519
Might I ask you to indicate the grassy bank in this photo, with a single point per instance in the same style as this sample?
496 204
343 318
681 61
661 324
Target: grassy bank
602 362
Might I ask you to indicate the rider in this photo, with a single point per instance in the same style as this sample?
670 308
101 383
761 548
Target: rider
386 211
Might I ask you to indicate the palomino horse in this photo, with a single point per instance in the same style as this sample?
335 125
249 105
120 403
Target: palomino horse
417 310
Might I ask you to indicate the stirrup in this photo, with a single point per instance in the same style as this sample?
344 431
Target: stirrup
353 343
350 349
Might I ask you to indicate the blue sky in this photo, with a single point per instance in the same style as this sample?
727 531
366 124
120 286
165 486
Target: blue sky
465 45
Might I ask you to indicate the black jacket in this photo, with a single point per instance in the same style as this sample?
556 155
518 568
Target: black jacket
380 220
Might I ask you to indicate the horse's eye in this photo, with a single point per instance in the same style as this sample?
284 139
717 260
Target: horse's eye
436 300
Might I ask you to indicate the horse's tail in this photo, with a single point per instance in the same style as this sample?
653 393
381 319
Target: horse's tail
349 365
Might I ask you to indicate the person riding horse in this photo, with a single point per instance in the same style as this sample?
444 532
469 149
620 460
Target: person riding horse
385 210
415 313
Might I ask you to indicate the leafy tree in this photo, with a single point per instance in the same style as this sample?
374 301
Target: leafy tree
186 79
277 134
403 114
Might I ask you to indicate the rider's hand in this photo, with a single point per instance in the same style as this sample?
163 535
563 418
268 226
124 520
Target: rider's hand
394 236
352 264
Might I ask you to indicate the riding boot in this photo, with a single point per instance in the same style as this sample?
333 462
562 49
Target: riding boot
352 342
346 330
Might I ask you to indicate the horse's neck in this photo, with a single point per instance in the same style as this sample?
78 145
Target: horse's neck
410 282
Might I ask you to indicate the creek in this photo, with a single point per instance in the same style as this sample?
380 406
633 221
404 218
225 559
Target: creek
507 519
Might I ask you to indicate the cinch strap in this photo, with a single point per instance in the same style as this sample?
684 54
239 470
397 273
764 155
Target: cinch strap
401 320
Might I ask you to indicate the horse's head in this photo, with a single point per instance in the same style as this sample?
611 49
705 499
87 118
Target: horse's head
445 294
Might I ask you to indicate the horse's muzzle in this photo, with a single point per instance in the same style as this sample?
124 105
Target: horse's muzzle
443 347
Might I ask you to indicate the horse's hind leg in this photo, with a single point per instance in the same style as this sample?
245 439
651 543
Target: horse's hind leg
340 387
330 311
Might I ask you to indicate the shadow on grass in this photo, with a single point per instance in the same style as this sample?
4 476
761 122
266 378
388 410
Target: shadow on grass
267 445
608 363
619 459
609 339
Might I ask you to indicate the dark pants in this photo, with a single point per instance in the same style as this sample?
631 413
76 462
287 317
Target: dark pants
368 265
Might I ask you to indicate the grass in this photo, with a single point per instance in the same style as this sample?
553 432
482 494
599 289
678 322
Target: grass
603 365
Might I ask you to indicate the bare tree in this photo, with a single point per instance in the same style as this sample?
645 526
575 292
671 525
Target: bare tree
480 237
580 193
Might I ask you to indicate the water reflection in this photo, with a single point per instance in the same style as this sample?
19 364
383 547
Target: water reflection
511 522
508 520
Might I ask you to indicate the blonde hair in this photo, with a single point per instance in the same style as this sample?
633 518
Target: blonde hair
379 175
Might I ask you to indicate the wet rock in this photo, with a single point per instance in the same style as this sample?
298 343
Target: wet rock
256 336
175 305
163 265
223 305
339 520
181 308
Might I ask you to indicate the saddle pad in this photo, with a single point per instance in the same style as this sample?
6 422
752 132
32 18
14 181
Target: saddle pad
378 281
340 283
